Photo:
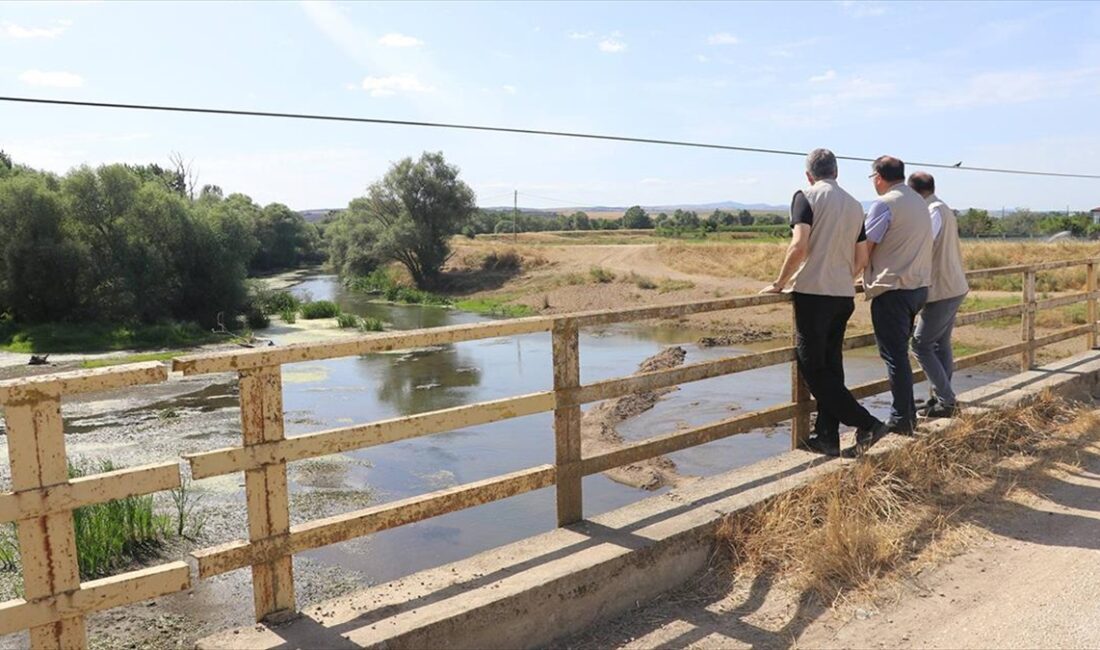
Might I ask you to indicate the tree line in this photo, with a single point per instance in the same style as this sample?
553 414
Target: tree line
136 244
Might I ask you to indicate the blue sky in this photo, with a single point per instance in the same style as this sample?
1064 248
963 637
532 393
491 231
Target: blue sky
1003 85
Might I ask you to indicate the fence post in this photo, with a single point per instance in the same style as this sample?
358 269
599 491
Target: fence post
1090 312
1027 328
266 489
800 395
47 545
567 421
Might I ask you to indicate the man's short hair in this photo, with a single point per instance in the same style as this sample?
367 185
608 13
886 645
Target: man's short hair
889 168
821 164
922 183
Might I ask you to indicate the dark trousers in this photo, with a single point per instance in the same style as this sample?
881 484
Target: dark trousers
892 314
820 322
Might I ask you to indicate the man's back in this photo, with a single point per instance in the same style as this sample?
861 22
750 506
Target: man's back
902 259
948 274
830 261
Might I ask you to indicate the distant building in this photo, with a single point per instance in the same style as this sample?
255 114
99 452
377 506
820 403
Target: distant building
1095 212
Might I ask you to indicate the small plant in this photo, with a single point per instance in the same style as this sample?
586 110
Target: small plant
508 260
168 414
275 302
185 499
370 324
9 548
111 534
601 275
347 320
667 285
289 316
642 282
320 309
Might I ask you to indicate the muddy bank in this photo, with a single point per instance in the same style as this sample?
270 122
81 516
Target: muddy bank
598 433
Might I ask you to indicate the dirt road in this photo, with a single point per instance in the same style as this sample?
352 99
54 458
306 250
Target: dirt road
1031 581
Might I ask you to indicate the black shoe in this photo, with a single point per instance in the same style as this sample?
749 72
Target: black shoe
823 446
866 438
941 410
900 427
923 409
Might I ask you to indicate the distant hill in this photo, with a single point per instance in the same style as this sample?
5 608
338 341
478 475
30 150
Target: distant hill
319 214
610 210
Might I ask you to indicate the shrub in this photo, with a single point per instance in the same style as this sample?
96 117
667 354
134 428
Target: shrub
111 534
370 324
642 282
320 309
601 275
508 260
276 302
257 319
289 316
347 320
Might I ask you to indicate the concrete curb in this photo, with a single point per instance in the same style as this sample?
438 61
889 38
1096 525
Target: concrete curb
531 592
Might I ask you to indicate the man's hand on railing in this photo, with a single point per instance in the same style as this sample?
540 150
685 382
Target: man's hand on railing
772 288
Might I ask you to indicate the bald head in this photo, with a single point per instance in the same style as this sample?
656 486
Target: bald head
922 183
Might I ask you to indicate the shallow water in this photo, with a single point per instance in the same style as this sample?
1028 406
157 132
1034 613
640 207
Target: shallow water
370 387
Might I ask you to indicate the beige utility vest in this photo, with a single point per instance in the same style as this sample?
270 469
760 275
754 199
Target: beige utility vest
948 275
830 264
903 259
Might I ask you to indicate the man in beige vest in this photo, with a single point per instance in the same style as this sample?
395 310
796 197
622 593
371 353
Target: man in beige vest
899 236
827 250
932 338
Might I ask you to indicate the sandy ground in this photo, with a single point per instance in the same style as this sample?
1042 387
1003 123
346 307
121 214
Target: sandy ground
1029 578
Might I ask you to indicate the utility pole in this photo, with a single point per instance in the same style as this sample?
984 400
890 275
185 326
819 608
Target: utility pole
515 213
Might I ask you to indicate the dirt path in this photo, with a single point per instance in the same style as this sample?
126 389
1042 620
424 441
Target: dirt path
1032 580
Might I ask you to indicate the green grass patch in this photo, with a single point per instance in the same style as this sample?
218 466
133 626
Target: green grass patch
345 321
99 337
601 275
494 307
320 309
666 285
115 533
130 358
371 324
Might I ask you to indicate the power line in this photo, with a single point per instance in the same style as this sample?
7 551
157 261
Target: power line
503 129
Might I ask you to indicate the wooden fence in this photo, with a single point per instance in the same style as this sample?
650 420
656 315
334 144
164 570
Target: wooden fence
43 498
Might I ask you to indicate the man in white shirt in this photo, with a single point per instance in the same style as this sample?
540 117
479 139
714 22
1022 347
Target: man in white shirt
932 337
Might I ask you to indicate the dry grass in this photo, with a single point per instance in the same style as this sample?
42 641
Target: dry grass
870 519
761 261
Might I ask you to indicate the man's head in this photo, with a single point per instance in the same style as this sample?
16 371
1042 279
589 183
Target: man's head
820 165
922 183
887 171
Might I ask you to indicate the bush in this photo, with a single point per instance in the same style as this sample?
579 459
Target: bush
508 260
369 324
257 319
289 316
601 275
642 282
111 534
320 309
278 302
347 320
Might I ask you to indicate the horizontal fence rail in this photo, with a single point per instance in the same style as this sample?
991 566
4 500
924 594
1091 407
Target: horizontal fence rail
43 497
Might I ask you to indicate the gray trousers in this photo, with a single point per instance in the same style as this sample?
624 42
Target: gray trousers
932 345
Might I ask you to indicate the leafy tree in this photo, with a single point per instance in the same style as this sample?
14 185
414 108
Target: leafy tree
769 220
579 221
410 215
975 223
286 239
636 218
744 217
685 219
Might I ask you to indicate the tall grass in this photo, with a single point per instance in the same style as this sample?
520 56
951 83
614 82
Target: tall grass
9 548
320 309
111 534
866 520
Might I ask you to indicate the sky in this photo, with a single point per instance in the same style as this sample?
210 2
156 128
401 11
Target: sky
1013 85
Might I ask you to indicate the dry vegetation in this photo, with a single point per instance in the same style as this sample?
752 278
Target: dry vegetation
872 519
761 261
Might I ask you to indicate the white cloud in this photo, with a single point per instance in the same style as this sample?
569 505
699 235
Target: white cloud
580 36
723 38
393 84
828 75
702 58
55 79
399 40
788 50
612 45
863 8
11 30
511 90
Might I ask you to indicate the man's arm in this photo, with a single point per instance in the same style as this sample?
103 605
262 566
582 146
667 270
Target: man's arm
863 256
876 225
796 254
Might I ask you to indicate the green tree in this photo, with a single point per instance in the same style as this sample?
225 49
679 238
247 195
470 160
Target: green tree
975 223
744 217
286 239
411 214
636 218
